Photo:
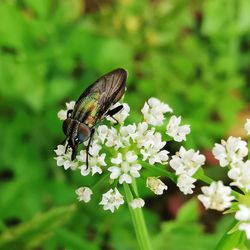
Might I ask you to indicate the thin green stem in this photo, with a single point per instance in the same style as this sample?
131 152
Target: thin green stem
159 170
100 181
141 219
138 220
200 175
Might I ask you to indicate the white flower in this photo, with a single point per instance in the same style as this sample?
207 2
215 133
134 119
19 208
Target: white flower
143 138
64 159
245 227
142 130
247 126
175 130
121 115
115 140
128 132
186 183
151 150
216 196
187 161
101 133
111 200
243 215
125 168
231 151
84 194
154 110
240 174
137 203
156 185
62 114
96 160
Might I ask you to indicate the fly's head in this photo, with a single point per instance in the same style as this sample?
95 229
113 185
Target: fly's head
76 133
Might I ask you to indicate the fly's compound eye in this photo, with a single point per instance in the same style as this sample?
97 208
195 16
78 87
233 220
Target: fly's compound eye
83 133
66 125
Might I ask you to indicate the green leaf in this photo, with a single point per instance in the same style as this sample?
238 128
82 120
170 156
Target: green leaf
188 212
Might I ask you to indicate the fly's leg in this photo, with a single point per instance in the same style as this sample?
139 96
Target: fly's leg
114 111
66 148
87 149
69 113
74 152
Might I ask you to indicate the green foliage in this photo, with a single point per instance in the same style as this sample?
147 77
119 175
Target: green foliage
186 233
192 54
37 230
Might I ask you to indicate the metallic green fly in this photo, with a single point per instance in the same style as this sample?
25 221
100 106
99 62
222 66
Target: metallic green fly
92 107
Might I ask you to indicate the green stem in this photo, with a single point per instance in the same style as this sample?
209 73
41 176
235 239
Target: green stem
231 240
200 175
138 220
159 170
100 181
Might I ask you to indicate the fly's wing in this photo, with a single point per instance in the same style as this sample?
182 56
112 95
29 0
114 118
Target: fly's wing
98 97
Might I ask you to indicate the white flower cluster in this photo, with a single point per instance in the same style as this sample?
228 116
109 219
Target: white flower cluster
154 110
243 216
121 151
186 163
111 200
64 158
216 196
231 154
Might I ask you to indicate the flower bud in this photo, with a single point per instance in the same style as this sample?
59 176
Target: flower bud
156 185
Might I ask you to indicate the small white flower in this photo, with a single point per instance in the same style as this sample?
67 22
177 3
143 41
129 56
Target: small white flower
62 114
247 126
186 183
84 194
154 110
245 227
216 196
111 200
144 136
142 130
64 159
137 203
177 132
240 175
125 168
101 133
121 115
231 151
128 132
151 150
156 185
243 215
115 140
96 160
187 161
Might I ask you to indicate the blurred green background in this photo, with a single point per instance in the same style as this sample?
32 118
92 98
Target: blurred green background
194 55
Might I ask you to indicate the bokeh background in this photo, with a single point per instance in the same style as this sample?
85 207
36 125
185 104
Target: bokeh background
194 55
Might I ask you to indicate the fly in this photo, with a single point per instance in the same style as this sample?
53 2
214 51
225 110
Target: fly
91 108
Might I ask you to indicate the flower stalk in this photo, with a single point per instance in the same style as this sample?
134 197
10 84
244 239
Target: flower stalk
138 220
